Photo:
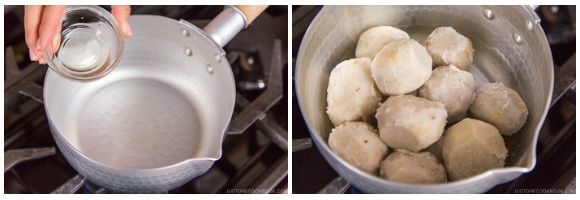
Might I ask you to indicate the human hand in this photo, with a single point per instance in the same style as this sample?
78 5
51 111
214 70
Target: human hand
42 27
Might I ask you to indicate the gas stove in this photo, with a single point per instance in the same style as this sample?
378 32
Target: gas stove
555 170
254 161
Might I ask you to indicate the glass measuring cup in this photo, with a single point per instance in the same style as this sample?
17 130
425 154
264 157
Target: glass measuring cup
91 44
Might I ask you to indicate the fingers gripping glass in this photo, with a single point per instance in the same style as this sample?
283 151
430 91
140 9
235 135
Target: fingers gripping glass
91 44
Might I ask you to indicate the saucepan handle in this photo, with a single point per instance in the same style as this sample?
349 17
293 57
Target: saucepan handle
251 12
231 21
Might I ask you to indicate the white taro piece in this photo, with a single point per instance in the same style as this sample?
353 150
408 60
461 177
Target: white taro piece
415 168
374 39
448 47
471 147
452 87
352 93
358 144
500 106
410 123
401 67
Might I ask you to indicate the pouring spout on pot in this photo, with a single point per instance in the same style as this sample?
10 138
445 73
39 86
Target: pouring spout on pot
231 21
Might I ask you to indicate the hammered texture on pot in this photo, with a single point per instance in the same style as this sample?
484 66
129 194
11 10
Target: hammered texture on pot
127 180
523 65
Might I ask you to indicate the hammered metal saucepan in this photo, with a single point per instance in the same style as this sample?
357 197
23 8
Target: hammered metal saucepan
510 47
159 118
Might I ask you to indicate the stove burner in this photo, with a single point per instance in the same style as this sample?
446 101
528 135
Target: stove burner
267 99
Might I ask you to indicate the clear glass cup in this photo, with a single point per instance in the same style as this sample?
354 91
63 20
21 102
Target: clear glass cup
91 44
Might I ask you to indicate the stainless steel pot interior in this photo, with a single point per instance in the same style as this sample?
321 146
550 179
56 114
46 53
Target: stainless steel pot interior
157 120
510 47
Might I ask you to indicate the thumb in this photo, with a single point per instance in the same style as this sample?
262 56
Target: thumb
121 13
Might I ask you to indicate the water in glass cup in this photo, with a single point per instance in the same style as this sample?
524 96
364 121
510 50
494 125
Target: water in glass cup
83 48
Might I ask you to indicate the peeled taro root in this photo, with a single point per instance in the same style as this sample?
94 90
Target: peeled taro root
402 66
352 93
374 39
452 87
358 144
415 168
448 47
472 147
500 106
411 123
